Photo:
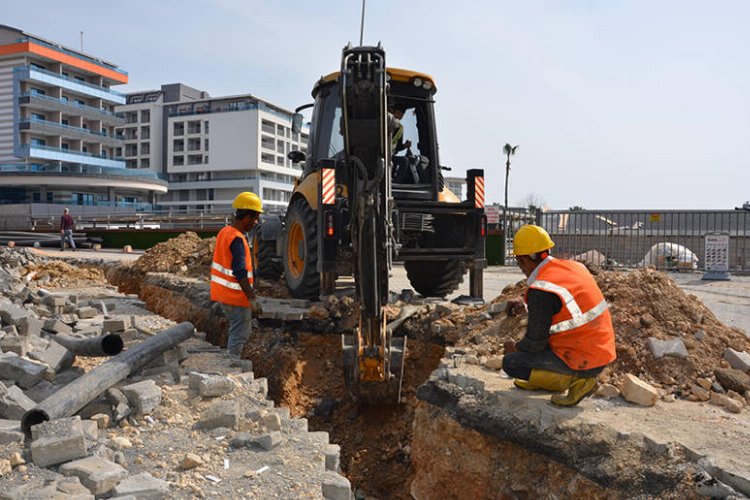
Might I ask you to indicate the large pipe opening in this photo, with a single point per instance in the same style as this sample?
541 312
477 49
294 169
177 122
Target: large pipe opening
32 418
112 344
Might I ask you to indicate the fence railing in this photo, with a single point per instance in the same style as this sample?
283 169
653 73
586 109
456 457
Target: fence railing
667 239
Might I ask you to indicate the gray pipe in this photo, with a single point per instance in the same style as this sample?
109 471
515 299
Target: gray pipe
106 345
74 396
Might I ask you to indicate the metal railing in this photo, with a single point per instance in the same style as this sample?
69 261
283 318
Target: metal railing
100 88
68 102
69 127
78 169
25 148
667 239
71 53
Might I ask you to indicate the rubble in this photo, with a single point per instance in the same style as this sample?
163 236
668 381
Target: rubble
739 360
95 473
57 441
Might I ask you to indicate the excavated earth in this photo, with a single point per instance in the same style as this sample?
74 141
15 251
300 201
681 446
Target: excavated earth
461 431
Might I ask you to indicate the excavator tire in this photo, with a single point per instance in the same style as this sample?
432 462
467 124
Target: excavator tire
265 266
435 278
301 251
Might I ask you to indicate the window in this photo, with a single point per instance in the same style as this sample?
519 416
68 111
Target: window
145 148
267 158
38 142
194 127
38 116
145 132
131 150
195 159
131 164
80 102
268 127
205 159
280 146
194 144
178 145
205 146
145 163
145 115
280 130
178 160
179 128
35 91
79 79
205 129
64 145
118 152
280 160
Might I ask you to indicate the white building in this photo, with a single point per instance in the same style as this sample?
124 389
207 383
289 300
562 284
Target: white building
57 128
210 149
457 185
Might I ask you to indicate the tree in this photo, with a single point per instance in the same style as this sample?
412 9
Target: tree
576 208
533 202
509 151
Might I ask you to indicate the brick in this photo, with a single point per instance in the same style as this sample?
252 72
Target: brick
29 327
57 357
672 347
25 372
143 396
15 343
269 441
221 414
739 360
55 300
143 486
97 474
86 312
637 391
57 326
114 325
58 441
336 487
14 403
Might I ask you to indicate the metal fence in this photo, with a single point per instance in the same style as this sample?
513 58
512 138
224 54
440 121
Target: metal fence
667 239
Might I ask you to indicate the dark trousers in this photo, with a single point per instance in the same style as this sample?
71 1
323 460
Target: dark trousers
519 364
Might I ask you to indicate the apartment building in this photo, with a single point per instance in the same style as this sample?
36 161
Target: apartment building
457 185
210 149
58 140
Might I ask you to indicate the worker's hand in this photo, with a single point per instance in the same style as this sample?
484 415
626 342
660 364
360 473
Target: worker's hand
509 346
514 307
256 307
407 144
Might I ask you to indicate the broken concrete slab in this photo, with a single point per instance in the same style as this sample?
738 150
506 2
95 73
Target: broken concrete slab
221 414
269 441
672 347
29 327
86 312
637 391
10 432
739 360
25 372
58 441
57 326
14 403
143 486
57 357
97 474
143 396
10 313
13 342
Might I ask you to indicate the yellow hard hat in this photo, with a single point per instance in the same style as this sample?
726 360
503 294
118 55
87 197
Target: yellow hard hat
248 201
531 239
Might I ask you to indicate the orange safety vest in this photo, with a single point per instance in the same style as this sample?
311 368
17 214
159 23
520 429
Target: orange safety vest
225 288
581 333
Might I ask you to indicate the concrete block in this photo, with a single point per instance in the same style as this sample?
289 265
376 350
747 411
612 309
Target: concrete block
637 391
115 325
269 441
90 430
10 313
336 487
10 432
96 473
14 403
214 386
58 441
55 300
332 453
13 342
272 422
86 312
120 404
497 307
57 357
57 326
102 420
29 327
25 372
739 360
221 414
143 396
671 347
143 486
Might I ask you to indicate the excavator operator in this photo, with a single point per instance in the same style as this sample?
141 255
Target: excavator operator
569 337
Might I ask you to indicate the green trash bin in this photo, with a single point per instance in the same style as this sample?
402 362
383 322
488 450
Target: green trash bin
495 249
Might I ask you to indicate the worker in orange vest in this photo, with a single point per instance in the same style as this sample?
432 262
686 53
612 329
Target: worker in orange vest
232 271
569 337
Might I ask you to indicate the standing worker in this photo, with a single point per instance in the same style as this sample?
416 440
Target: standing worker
66 230
569 337
232 271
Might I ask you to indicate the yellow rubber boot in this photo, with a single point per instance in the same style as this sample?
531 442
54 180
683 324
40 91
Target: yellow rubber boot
545 380
579 389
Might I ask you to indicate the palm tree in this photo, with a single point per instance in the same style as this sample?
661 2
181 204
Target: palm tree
509 151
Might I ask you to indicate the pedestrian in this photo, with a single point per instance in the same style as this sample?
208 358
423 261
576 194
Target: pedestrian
66 230
569 336
232 272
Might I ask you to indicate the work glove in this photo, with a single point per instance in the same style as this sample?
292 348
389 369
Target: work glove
514 307
256 307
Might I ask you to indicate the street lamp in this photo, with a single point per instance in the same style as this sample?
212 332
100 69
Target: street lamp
509 151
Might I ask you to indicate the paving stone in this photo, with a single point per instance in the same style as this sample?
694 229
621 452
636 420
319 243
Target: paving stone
86 312
269 441
97 474
101 419
672 347
212 385
119 402
57 326
57 357
143 486
272 422
29 327
637 391
14 403
55 300
10 313
10 432
497 307
221 414
14 343
143 396
90 430
58 441
739 360
332 453
336 487
72 486
115 325
25 372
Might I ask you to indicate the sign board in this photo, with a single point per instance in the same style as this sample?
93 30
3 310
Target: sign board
493 214
654 217
716 261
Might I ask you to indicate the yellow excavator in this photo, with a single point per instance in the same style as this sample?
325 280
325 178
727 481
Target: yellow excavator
372 193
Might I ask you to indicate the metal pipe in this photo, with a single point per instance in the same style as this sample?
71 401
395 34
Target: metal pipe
106 345
74 396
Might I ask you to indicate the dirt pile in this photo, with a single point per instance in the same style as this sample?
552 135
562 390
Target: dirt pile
187 254
59 274
644 304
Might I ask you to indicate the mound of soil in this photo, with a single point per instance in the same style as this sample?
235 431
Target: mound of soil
59 274
187 254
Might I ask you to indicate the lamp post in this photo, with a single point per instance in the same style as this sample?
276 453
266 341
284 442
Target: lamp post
509 151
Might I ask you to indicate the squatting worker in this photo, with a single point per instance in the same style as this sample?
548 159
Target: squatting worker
66 230
232 271
569 337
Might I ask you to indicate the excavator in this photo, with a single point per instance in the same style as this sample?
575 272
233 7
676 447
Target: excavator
363 203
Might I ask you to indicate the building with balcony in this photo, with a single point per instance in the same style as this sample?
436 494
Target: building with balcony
58 139
210 149
457 185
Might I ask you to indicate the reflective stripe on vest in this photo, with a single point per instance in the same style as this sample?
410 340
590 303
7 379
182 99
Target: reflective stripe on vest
581 319
223 270
226 283
225 287
399 133
570 302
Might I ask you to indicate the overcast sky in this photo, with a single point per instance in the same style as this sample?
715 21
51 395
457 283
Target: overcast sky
615 104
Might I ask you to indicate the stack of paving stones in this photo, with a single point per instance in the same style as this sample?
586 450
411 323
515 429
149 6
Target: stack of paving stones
192 423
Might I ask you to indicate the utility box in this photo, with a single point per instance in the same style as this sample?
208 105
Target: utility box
495 249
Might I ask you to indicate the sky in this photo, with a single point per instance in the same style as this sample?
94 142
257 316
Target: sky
613 104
